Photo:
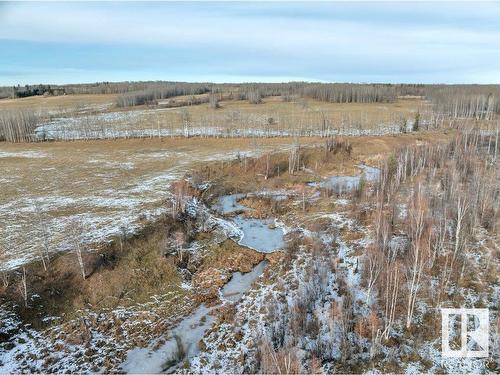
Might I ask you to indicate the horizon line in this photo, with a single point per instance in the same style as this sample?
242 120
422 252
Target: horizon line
251 82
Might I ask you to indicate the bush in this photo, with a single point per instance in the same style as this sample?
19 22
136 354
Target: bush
416 123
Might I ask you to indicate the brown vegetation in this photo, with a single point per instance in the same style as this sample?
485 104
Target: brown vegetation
118 274
18 126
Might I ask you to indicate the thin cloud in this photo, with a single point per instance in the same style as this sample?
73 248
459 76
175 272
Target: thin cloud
333 41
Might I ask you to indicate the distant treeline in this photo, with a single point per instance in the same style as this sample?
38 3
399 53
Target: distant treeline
349 93
254 92
101 88
153 94
458 101
473 101
30 90
466 101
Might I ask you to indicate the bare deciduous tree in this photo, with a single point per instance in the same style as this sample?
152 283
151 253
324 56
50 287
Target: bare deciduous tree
281 361
373 261
254 96
180 190
18 125
213 101
180 240
43 233
390 294
4 276
419 255
268 166
375 332
294 159
23 288
77 231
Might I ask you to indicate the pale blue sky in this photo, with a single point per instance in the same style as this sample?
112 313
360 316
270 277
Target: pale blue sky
447 42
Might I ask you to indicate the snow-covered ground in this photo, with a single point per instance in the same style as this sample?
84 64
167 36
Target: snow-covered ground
60 349
23 154
106 197
189 332
25 342
326 280
267 306
266 312
143 123
263 311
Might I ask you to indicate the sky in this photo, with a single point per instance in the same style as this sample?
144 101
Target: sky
424 42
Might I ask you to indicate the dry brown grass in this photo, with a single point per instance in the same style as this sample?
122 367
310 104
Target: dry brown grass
231 257
275 115
119 274
108 183
47 103
241 176
270 104
233 117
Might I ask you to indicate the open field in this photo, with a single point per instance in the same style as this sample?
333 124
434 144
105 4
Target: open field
107 184
111 184
237 119
60 104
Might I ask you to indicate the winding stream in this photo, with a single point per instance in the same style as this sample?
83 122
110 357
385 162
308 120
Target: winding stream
258 234
189 332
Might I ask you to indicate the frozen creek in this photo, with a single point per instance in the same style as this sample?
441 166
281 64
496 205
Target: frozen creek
182 344
346 183
258 234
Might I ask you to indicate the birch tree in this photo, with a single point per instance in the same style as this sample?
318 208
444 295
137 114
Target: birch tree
372 266
180 240
4 276
294 159
43 232
418 257
180 190
268 166
23 288
392 279
77 231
